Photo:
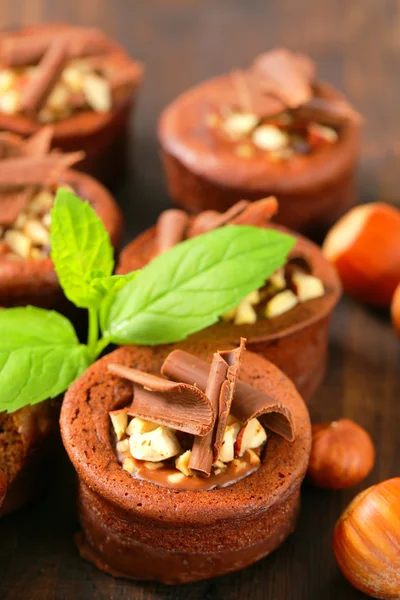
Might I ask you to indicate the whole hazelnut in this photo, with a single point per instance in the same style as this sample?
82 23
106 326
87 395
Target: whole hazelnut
342 455
366 541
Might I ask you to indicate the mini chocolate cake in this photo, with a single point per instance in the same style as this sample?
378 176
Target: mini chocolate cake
287 321
29 177
77 79
270 129
25 438
182 523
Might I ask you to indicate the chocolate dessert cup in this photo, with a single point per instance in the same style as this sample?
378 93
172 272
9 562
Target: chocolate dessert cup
27 171
295 341
306 154
26 437
87 89
133 528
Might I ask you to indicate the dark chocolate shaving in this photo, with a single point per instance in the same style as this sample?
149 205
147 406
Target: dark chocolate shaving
253 97
288 75
39 143
35 170
50 68
256 213
248 402
330 111
182 406
220 388
27 49
171 229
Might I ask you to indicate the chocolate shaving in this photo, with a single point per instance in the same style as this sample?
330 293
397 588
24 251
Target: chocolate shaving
212 219
288 75
330 111
49 70
254 97
256 213
23 50
35 170
181 406
220 387
39 143
171 229
12 203
248 402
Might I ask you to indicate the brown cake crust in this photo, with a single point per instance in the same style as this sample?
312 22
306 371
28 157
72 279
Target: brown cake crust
35 282
102 136
25 439
296 342
135 529
313 190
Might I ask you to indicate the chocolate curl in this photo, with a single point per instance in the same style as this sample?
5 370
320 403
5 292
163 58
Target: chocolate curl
220 388
35 170
288 74
178 405
330 111
256 213
253 97
212 219
127 78
50 68
39 143
248 402
171 229
12 203
23 50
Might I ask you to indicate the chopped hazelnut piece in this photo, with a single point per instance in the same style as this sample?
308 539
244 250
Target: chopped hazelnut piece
119 420
227 453
252 435
277 280
281 303
322 132
176 478
253 457
137 425
41 203
154 446
182 463
239 125
128 464
153 466
239 465
269 137
36 232
123 446
18 242
97 93
307 286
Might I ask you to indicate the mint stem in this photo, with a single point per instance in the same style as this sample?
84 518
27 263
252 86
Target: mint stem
93 334
101 344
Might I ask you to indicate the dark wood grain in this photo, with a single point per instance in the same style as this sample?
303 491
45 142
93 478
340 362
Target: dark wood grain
357 46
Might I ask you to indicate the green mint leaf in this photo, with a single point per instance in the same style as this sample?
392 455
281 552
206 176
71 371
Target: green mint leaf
190 286
80 248
40 356
105 286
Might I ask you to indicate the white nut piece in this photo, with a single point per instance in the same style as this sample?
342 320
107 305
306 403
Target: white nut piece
119 421
252 435
253 457
37 232
176 478
137 425
73 78
97 93
7 79
229 315
41 203
58 98
18 242
238 125
307 287
20 221
227 451
277 280
128 464
122 447
154 446
9 102
325 133
182 463
46 220
281 303
269 137
245 314
239 465
153 466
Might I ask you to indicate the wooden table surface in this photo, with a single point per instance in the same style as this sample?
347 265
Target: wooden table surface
357 46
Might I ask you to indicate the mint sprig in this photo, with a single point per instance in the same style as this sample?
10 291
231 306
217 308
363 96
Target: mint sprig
178 293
